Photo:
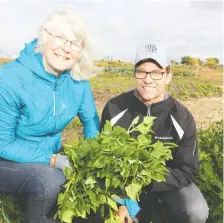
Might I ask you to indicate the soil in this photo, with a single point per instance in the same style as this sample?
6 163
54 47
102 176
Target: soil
205 110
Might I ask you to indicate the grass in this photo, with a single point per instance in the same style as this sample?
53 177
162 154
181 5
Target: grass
113 84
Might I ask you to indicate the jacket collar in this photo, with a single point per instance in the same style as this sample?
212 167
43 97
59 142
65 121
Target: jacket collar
159 106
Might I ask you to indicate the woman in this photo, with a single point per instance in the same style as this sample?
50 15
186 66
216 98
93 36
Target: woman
40 93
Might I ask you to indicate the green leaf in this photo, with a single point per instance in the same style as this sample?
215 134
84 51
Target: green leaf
157 154
94 143
107 183
107 127
135 121
68 172
112 204
102 211
132 190
102 198
209 170
158 178
148 120
117 130
170 145
5 217
143 139
115 182
90 180
217 183
144 129
143 154
67 216
132 161
92 197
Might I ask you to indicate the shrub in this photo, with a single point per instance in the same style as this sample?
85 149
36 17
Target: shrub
183 73
210 179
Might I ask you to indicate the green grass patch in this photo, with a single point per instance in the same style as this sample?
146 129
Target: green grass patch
183 73
115 85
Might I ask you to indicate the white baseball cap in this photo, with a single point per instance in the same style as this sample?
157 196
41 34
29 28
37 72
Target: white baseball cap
153 51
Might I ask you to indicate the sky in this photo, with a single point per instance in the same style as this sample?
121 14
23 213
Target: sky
186 28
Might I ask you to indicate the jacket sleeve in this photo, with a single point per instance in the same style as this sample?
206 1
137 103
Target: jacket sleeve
11 148
185 164
88 113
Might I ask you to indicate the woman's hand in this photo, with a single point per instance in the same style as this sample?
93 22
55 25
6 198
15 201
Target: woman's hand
60 161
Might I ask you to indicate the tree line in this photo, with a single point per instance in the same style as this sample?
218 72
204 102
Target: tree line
187 60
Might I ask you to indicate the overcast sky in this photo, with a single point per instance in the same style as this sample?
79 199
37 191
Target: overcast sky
192 28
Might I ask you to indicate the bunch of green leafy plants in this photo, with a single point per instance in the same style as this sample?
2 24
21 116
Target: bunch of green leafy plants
210 178
114 163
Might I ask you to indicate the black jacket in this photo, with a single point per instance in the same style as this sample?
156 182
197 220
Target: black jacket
174 123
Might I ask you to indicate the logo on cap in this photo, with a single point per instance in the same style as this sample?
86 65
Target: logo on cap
151 48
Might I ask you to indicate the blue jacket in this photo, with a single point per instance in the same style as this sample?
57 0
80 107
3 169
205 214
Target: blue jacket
35 107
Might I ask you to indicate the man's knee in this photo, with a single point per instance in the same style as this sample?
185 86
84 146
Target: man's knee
197 207
186 204
198 212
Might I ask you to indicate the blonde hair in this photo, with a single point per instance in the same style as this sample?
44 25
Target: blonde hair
82 69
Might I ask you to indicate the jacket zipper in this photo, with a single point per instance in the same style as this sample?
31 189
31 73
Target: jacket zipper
149 111
54 98
54 102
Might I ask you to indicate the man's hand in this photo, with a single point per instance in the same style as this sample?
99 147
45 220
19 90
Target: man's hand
61 161
132 205
124 215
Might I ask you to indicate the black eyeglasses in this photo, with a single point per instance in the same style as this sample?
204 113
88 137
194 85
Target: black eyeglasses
155 74
61 41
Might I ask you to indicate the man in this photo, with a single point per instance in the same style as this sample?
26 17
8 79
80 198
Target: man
178 199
